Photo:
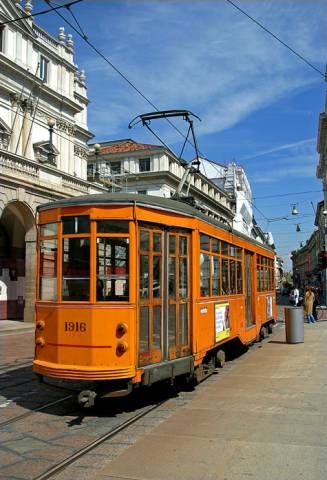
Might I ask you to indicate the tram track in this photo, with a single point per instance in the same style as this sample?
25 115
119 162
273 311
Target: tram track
66 462
35 410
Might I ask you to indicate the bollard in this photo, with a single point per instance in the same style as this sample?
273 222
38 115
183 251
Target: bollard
294 325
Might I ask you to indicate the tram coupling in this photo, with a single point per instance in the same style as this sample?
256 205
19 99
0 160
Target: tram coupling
86 398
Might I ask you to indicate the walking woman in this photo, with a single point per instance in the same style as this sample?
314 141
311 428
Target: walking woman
308 305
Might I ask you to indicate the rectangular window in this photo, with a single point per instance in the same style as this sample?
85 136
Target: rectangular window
215 275
48 270
144 164
115 168
204 242
142 192
49 230
232 276
44 69
224 276
144 329
156 336
80 224
112 226
112 269
183 324
239 277
76 269
144 276
172 325
204 275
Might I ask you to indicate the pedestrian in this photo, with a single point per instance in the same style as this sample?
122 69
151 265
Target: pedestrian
315 304
296 296
309 298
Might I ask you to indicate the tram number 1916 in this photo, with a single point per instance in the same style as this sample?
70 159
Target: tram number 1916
75 327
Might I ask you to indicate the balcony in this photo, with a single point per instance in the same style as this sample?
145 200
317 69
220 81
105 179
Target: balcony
29 173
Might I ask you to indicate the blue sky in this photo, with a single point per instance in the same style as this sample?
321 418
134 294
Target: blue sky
259 104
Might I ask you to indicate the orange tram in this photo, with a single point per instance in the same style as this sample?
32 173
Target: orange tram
135 289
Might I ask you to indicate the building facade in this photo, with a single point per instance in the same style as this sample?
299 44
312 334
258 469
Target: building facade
309 261
322 174
43 143
129 166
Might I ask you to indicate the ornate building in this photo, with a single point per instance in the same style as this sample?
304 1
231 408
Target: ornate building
129 166
43 137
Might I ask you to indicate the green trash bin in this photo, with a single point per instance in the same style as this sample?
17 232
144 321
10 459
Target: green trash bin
294 324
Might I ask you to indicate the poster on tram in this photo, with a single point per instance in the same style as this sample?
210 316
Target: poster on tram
222 321
269 307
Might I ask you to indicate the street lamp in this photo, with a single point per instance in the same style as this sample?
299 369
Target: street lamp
51 153
97 147
294 210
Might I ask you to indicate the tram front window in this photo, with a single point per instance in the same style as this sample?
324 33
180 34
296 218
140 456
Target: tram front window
112 269
76 269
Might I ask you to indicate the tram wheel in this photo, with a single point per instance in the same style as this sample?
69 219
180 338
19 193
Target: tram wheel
220 358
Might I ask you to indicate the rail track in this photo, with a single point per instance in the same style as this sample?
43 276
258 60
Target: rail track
60 466
34 410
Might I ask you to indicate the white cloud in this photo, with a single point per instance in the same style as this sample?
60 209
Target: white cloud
203 56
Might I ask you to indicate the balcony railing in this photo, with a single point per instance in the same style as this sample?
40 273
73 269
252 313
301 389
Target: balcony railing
25 171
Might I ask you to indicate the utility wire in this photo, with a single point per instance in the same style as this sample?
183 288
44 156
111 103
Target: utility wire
119 72
301 57
43 12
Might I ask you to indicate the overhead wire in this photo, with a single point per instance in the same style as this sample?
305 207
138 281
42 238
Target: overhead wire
116 69
42 12
301 57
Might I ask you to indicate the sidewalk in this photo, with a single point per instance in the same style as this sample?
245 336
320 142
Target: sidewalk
264 419
7 326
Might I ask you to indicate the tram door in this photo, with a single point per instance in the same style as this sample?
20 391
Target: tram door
164 295
178 289
248 284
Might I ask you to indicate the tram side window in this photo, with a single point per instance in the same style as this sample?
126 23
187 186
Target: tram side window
112 269
78 224
76 269
48 270
220 268
265 274
204 275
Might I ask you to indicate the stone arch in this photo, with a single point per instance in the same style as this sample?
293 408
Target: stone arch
17 260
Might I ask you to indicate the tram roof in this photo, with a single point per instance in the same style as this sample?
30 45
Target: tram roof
151 201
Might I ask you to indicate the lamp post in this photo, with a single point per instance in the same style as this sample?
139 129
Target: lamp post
51 154
97 147
324 265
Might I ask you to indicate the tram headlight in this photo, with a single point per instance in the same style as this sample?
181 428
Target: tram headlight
40 324
122 347
121 329
40 342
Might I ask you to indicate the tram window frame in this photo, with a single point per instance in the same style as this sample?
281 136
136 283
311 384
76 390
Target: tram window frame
81 224
230 266
114 285
265 273
80 292
48 232
150 292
